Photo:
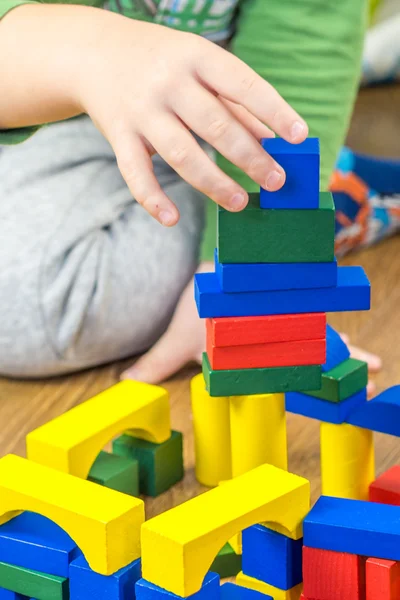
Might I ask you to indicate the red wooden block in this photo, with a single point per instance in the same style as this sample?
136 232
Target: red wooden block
257 356
331 575
386 488
382 579
241 331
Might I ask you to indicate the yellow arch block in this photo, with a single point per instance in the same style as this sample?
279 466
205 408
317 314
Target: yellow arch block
103 523
71 442
178 547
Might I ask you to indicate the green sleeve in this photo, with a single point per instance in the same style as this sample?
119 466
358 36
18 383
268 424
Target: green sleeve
14 136
310 51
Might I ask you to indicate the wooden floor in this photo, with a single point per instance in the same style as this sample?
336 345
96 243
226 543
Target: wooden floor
25 405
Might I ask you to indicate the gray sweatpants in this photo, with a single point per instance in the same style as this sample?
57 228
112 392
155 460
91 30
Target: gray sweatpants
86 275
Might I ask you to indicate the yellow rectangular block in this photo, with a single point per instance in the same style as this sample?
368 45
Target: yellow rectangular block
191 534
258 432
71 442
212 436
260 586
104 524
347 461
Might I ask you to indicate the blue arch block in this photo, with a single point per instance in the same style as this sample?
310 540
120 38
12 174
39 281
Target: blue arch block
36 543
231 591
85 584
210 590
381 414
336 350
322 410
7 595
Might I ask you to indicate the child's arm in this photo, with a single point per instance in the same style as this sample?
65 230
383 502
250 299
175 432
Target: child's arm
146 87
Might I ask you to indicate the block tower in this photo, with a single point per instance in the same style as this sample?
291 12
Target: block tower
265 307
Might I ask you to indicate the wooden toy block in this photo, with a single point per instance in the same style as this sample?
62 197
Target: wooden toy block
239 382
85 584
269 590
347 461
160 465
227 563
381 414
116 472
353 526
71 442
272 557
33 542
386 488
192 534
258 432
239 331
351 293
336 350
209 590
9 595
255 235
301 165
261 277
333 575
273 354
32 583
231 591
343 381
212 434
328 412
383 579
103 523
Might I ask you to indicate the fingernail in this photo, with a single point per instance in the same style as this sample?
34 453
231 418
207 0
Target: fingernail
297 130
237 202
274 180
166 217
131 374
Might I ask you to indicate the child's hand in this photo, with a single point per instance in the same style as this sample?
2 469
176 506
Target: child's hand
373 361
148 87
183 342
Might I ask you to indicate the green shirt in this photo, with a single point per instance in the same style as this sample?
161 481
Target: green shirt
310 50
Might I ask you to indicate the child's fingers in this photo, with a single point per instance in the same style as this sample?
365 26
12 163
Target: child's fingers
239 83
177 146
373 361
252 124
204 114
136 168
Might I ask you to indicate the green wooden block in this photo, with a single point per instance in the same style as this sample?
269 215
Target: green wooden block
239 382
120 473
259 235
343 381
160 465
227 563
33 584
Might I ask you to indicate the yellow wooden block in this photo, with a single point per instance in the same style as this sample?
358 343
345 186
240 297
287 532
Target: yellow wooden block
347 461
104 524
71 442
191 535
260 586
212 436
258 432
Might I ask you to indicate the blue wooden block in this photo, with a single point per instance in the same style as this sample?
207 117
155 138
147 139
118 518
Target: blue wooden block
352 293
354 526
34 542
85 584
8 595
322 410
272 557
259 277
231 591
381 414
209 590
336 350
301 164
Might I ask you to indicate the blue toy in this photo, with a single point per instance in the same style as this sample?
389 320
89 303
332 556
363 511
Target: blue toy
322 410
8 595
352 293
381 414
272 557
301 164
336 350
85 584
209 590
231 591
259 277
